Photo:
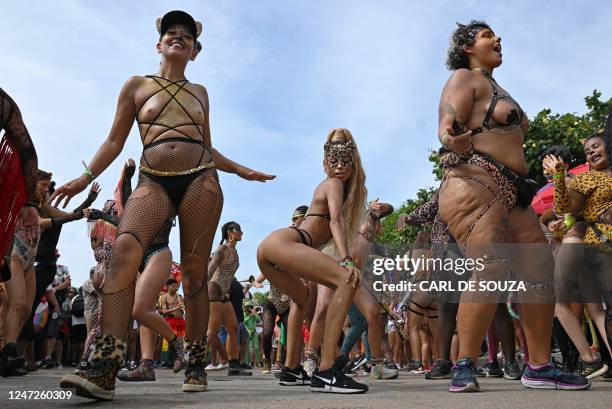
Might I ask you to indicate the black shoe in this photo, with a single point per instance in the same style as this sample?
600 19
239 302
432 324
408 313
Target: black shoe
334 380
359 362
15 372
9 357
47 363
246 366
512 371
593 369
235 369
343 362
492 369
441 370
293 377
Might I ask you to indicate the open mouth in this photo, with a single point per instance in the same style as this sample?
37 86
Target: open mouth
595 158
179 43
497 48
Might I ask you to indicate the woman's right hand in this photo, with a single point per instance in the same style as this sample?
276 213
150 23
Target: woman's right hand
461 144
354 276
552 165
68 190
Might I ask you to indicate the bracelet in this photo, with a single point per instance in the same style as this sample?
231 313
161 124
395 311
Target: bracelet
558 176
569 221
88 172
347 263
444 140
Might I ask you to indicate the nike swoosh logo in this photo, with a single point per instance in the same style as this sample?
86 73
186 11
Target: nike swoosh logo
327 381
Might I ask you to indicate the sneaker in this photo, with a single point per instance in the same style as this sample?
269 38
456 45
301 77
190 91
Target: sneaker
221 366
59 366
246 366
177 347
418 371
334 380
343 362
382 370
359 362
195 375
144 372
512 371
267 367
550 376
98 381
593 369
367 368
10 358
47 363
235 369
492 369
441 370
294 377
463 377
211 367
277 368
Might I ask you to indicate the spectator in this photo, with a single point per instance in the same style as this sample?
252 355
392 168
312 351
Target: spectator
79 329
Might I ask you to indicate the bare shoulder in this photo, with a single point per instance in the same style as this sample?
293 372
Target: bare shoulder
460 77
333 184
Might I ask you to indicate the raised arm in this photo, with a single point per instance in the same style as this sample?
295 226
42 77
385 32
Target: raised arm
565 200
17 133
455 109
110 148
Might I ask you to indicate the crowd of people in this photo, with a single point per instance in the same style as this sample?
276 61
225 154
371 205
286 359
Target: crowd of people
321 312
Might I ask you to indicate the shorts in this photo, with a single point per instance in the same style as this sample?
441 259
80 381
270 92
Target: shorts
242 333
78 333
53 327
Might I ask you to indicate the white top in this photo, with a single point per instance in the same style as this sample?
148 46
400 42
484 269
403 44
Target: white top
76 320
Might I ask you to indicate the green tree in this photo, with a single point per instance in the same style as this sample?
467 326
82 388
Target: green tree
396 239
260 297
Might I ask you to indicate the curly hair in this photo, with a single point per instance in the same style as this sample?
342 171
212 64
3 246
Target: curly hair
464 35
559 150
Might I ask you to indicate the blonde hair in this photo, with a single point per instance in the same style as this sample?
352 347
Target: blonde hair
355 191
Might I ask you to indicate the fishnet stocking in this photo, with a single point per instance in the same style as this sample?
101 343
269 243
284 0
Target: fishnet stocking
199 215
116 312
269 322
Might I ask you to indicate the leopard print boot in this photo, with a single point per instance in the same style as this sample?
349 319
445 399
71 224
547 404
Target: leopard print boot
176 346
195 375
145 371
98 381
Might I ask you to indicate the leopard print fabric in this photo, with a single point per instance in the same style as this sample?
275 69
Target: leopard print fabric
106 359
195 355
280 301
225 273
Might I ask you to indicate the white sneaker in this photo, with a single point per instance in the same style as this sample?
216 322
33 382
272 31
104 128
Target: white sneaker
221 366
60 366
211 367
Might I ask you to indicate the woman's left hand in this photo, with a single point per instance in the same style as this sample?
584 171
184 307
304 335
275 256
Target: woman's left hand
354 276
254 175
552 165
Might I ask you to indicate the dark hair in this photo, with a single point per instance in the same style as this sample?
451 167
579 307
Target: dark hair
464 35
171 281
226 227
44 175
559 150
301 209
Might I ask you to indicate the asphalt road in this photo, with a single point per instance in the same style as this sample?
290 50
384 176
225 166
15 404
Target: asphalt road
261 391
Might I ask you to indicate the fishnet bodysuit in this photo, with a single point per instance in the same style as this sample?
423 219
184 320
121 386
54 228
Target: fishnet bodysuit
196 198
221 280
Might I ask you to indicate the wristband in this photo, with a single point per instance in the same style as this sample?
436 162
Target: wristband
88 172
347 263
569 221
558 176
444 140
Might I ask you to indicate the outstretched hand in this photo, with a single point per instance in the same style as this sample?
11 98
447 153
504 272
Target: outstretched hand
68 190
552 164
255 175
402 221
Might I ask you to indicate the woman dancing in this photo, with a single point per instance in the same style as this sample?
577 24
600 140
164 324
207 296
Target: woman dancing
591 194
178 177
484 199
289 254
221 272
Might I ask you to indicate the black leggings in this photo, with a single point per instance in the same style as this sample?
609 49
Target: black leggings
269 321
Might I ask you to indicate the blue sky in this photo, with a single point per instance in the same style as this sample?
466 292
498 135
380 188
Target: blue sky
279 76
